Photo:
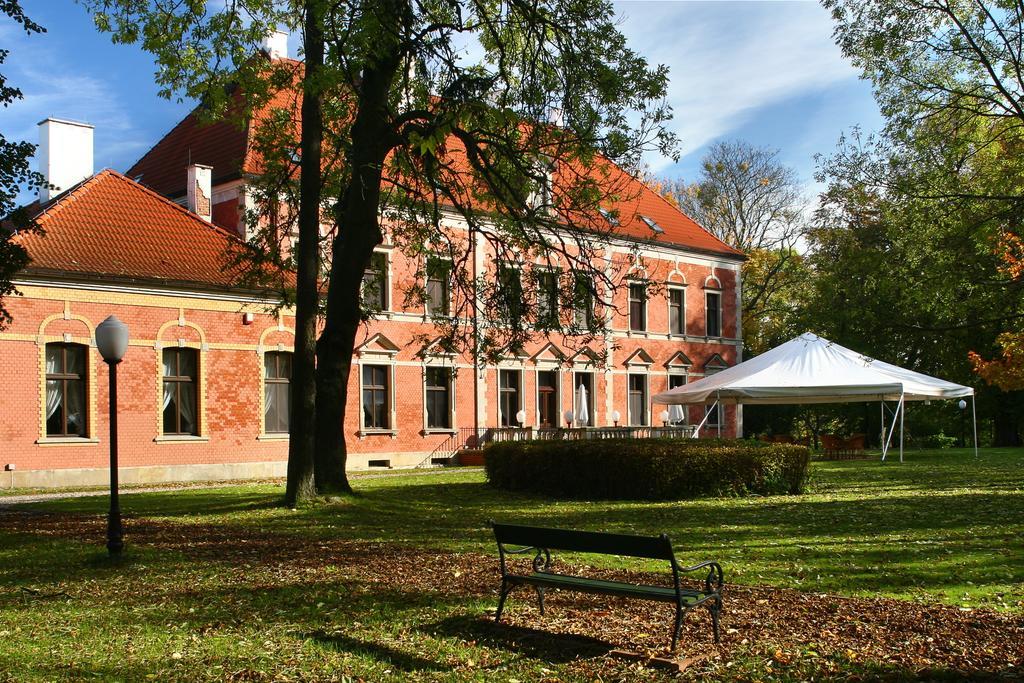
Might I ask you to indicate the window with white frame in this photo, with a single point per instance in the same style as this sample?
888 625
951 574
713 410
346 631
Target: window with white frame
637 306
637 400
510 293
438 397
585 380
713 313
547 399
277 374
66 374
439 273
376 395
676 413
676 310
181 384
583 300
510 384
547 298
375 283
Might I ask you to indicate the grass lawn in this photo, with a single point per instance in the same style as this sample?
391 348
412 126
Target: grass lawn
222 584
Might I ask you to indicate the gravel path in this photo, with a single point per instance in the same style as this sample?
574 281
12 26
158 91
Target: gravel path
10 501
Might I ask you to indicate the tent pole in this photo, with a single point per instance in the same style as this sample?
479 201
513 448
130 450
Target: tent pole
974 423
707 414
903 411
892 430
881 436
720 415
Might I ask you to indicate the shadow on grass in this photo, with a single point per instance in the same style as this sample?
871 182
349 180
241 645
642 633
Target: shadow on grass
555 648
340 642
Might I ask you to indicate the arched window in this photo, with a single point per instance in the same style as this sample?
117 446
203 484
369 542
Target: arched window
277 374
181 372
65 390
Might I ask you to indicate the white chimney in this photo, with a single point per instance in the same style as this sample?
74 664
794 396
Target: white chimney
200 191
64 154
275 44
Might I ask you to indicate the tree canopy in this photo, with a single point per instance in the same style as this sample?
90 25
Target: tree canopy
15 173
450 126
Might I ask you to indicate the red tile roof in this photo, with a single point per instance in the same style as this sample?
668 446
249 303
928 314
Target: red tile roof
110 226
230 151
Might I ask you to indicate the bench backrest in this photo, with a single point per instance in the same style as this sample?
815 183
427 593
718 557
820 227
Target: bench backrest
651 547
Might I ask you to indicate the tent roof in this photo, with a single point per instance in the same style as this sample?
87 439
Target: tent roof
811 369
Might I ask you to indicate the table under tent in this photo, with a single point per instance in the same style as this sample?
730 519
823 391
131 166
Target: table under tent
811 369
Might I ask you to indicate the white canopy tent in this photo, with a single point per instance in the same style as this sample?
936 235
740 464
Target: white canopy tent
811 369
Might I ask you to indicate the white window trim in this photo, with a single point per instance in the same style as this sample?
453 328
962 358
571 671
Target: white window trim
387 361
684 372
647 396
452 401
202 434
592 408
547 366
264 435
91 363
427 315
389 307
721 313
629 306
668 304
522 394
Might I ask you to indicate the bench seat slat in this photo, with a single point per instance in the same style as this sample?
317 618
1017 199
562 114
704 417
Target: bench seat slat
630 590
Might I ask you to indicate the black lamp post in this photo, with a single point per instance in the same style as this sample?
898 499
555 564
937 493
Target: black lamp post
112 342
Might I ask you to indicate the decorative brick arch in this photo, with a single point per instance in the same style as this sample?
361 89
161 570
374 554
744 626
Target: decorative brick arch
201 347
89 341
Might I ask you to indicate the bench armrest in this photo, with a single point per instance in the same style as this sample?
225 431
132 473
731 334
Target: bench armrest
713 581
541 561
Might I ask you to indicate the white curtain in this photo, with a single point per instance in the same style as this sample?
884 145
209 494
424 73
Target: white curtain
270 404
52 397
187 406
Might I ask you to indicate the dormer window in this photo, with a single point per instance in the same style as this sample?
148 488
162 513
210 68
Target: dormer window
610 217
655 228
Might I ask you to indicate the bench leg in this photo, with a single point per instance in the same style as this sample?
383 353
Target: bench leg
540 599
716 609
677 627
506 588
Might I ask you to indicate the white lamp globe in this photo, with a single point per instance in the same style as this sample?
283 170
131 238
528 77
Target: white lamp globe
521 416
112 339
962 404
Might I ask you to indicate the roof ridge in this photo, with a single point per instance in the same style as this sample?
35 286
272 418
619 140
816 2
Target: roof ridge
166 135
57 203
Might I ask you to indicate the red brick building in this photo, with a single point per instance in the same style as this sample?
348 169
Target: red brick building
204 384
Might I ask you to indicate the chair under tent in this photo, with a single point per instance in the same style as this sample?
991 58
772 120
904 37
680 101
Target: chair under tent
811 369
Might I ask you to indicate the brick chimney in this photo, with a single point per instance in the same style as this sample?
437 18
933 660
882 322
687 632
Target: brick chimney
200 191
275 44
64 155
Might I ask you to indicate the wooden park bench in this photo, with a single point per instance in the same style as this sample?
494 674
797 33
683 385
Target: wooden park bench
516 540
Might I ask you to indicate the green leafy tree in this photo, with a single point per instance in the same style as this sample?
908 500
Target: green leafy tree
15 174
507 153
752 201
946 168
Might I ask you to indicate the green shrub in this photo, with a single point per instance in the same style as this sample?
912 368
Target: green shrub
647 469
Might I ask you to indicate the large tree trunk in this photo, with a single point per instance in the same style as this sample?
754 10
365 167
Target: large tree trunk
302 442
357 214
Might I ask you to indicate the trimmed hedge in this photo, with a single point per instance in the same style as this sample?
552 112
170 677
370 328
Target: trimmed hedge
647 469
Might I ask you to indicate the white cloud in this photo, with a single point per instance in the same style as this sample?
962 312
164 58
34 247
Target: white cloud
730 59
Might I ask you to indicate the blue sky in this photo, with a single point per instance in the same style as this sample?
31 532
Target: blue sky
763 71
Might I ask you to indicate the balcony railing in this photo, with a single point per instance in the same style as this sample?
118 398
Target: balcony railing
471 438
